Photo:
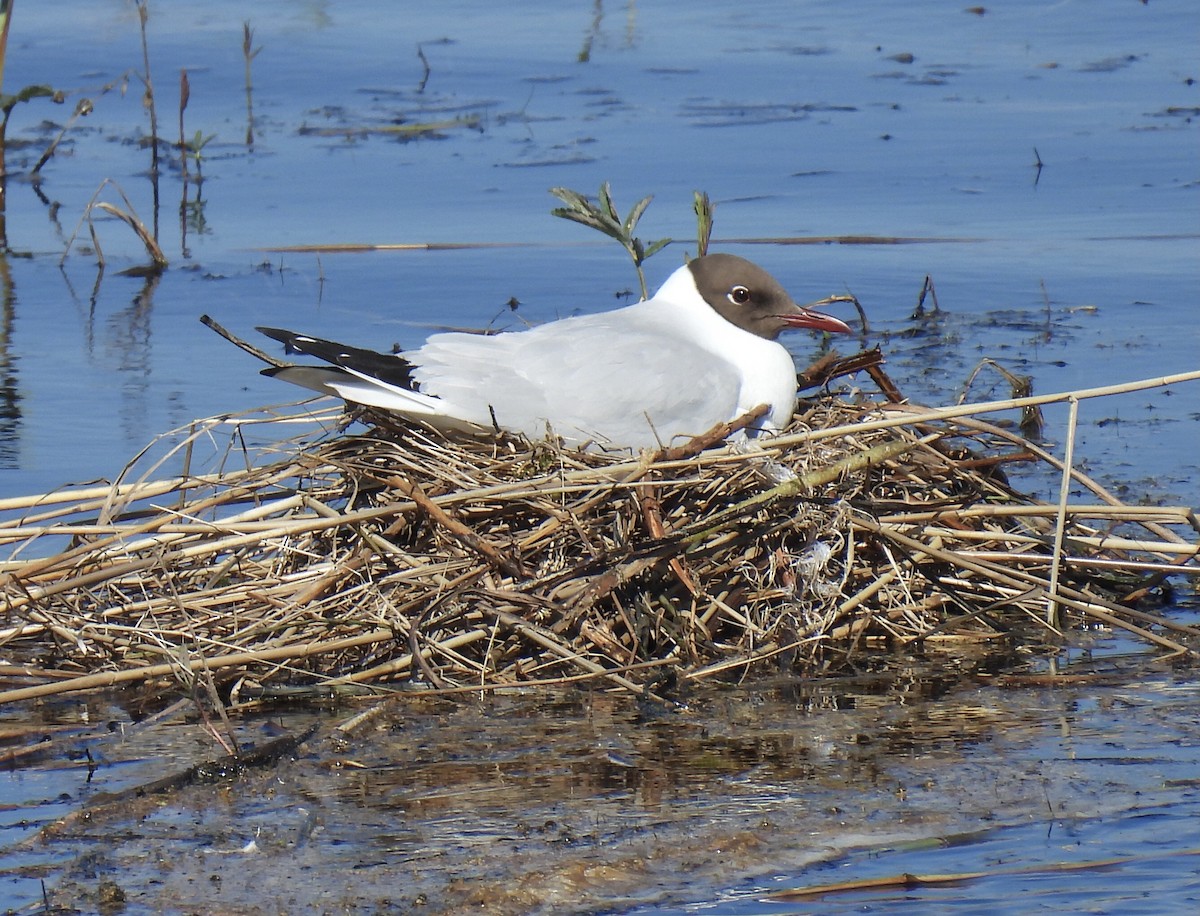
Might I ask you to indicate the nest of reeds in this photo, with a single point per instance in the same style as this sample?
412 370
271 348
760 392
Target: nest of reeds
377 559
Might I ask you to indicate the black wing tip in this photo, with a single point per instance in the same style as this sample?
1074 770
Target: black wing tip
284 336
389 368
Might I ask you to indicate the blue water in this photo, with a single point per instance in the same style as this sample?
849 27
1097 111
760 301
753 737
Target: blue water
794 118
802 121
1102 775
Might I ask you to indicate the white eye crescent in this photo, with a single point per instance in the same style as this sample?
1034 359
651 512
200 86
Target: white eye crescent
739 295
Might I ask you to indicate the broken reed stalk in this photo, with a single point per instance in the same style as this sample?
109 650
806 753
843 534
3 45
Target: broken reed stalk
148 82
5 21
128 216
333 561
1111 501
83 108
1064 496
185 94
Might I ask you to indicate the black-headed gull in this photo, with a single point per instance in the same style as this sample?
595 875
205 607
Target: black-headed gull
701 351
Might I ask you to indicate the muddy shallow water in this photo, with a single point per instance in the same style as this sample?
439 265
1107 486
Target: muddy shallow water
583 802
908 138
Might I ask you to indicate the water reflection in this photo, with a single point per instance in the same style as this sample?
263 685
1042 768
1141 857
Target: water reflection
128 340
581 800
10 396
595 34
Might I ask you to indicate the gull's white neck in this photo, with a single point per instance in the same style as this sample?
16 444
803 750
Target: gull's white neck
768 373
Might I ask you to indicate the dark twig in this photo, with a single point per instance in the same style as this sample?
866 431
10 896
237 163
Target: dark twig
242 344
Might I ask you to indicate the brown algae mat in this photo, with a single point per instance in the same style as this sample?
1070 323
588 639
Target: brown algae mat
342 563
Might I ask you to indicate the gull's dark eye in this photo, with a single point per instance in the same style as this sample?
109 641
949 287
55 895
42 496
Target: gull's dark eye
739 295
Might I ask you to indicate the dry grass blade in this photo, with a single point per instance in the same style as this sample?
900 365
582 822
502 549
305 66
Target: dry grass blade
130 219
127 215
